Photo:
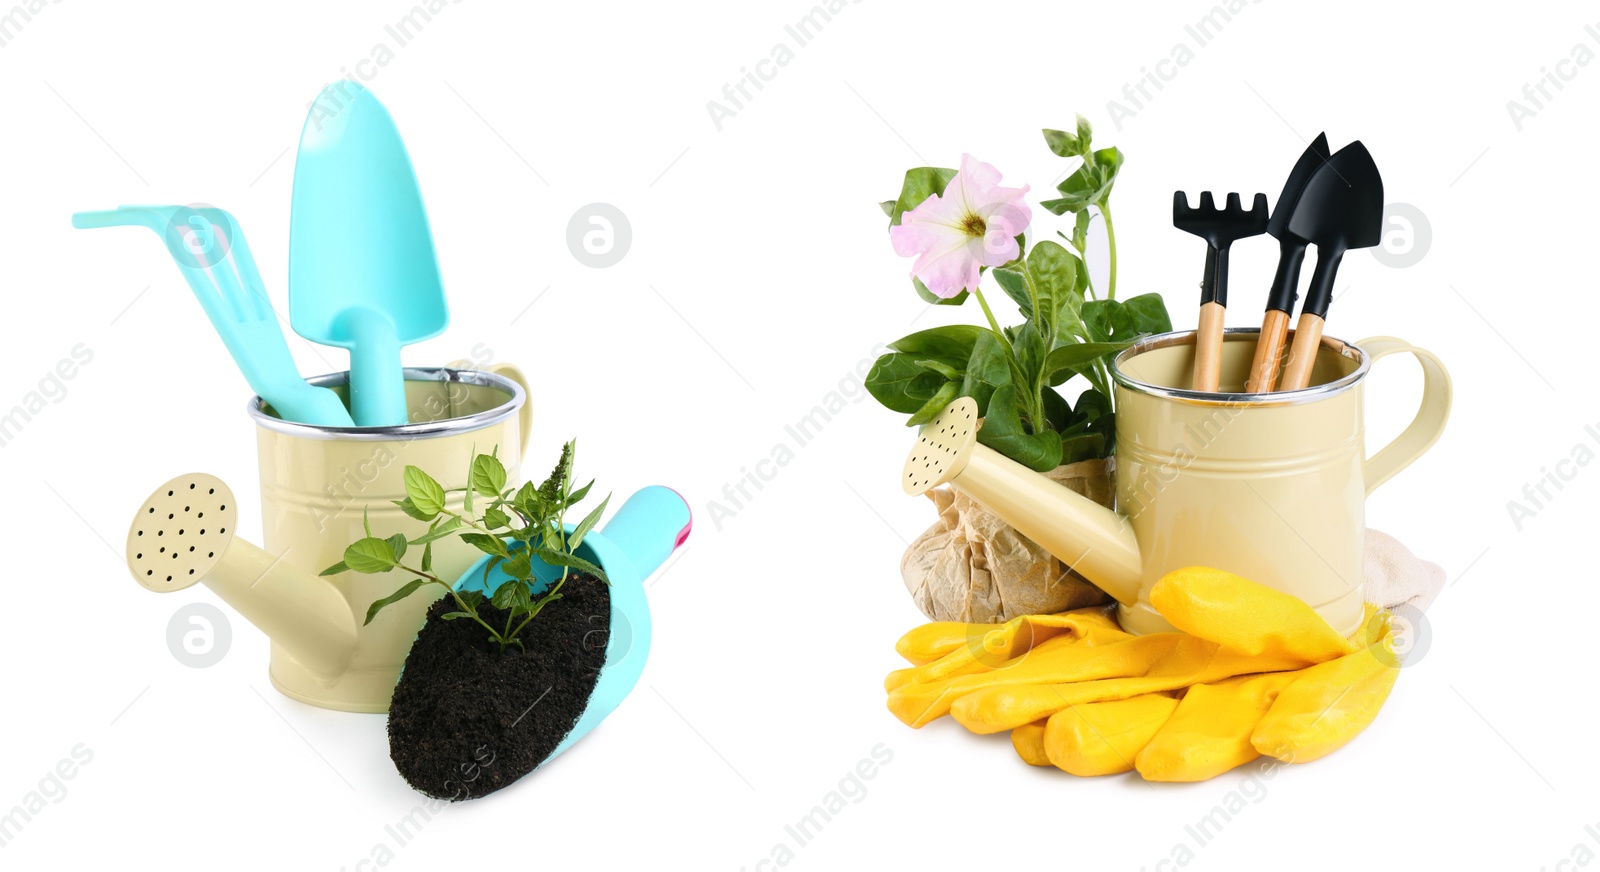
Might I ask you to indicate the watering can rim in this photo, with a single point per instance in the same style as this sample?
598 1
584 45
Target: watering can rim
1310 394
257 408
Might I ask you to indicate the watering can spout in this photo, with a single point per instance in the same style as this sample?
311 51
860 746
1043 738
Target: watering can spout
1095 541
184 534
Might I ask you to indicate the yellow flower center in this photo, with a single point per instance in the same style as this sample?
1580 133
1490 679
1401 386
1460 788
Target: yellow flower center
973 225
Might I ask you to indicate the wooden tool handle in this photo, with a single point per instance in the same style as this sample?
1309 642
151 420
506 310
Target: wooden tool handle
1303 353
1269 352
1208 348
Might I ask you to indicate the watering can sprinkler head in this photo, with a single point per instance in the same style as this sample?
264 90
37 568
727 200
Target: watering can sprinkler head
1095 541
185 534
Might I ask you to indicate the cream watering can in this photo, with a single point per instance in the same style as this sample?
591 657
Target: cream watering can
1271 487
317 483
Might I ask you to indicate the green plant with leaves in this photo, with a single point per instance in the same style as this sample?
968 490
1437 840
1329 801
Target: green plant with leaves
520 529
1014 373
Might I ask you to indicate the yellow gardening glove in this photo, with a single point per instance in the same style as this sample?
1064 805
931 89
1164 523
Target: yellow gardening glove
1329 704
1209 732
1293 716
946 649
1031 668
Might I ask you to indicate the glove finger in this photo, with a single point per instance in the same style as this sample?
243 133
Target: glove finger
997 709
946 649
1210 731
1028 740
1328 705
1006 699
1103 738
1244 616
1058 661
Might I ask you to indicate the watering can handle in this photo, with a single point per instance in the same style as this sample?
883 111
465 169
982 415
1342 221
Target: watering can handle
510 371
1426 427
525 414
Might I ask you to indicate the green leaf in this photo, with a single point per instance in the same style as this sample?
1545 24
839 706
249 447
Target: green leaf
438 531
1122 320
1149 313
1091 417
485 543
900 384
988 369
1064 144
1068 360
528 501
471 598
1107 321
411 510
1011 280
919 184
369 555
512 596
1089 184
1084 446
488 475
1003 431
424 493
1073 144
1055 278
336 569
943 369
518 565
397 546
561 558
489 567
366 521
495 519
427 557
935 404
456 616
580 493
587 524
405 590
945 343
1029 347
1057 412
888 207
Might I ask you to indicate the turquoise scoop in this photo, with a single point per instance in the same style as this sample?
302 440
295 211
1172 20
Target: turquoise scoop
637 540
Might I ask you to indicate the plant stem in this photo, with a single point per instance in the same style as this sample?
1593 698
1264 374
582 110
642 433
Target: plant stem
1111 245
460 603
993 324
539 606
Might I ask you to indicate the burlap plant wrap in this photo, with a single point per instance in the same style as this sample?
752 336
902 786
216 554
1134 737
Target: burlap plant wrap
970 566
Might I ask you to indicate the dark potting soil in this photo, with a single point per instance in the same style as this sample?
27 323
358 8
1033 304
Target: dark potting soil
467 719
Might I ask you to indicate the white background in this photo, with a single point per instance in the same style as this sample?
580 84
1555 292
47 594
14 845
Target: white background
759 280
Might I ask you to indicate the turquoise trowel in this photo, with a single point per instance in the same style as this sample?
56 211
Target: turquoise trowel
362 270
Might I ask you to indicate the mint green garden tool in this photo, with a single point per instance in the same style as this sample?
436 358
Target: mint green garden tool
211 251
362 270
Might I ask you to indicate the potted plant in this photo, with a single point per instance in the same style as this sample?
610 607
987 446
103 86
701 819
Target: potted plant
960 224
536 642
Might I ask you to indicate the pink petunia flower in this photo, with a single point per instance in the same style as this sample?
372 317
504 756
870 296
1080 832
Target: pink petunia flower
974 224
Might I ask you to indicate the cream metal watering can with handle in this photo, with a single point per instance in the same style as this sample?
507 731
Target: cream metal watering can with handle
1271 487
319 485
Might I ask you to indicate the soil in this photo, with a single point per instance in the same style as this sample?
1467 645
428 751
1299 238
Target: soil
467 719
